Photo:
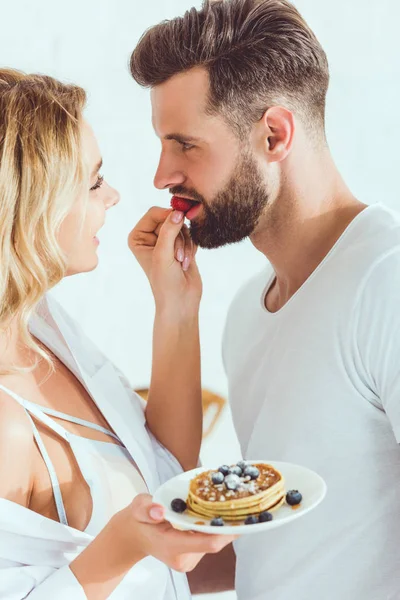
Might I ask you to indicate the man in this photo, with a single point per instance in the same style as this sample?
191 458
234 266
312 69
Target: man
312 344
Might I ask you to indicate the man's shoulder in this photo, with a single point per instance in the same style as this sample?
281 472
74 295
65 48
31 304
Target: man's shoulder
365 246
374 232
381 282
376 304
380 246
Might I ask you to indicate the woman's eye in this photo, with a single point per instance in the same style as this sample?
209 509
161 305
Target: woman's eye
98 183
186 147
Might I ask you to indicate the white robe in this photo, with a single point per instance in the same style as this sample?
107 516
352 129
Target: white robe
35 551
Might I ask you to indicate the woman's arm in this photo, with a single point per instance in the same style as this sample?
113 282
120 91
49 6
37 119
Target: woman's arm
174 408
132 534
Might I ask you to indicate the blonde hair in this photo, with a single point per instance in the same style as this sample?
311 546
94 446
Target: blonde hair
42 172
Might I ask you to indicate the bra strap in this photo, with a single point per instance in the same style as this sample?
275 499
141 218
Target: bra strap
77 420
52 472
38 412
42 448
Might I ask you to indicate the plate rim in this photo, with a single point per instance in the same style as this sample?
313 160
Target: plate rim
239 529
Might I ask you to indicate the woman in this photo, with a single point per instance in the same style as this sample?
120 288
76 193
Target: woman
76 445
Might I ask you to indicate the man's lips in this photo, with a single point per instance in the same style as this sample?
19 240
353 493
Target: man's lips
182 204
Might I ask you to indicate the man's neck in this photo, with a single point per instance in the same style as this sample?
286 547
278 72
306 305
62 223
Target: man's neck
301 226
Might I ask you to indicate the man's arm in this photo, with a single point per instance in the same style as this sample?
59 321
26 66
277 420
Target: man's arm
376 335
214 573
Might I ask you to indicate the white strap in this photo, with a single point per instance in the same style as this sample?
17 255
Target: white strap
32 408
62 515
42 448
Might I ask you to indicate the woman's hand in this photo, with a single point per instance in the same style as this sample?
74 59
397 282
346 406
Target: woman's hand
163 247
144 530
137 531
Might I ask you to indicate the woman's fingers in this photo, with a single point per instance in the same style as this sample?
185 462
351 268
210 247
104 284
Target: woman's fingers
188 248
148 227
180 247
200 542
154 217
163 231
169 236
145 239
184 246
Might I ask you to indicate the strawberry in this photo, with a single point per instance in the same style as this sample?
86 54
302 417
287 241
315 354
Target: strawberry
181 204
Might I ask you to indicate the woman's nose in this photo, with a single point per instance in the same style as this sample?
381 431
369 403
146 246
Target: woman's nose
113 197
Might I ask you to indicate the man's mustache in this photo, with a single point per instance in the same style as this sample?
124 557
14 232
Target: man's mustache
190 194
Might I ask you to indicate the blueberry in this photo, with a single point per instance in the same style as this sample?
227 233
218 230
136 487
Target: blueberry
178 505
236 470
251 472
265 516
232 481
252 520
242 464
224 470
217 477
293 497
217 522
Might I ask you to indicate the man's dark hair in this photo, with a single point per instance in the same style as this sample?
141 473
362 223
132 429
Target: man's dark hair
258 53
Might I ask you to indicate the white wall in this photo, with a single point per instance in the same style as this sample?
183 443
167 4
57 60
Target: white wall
89 42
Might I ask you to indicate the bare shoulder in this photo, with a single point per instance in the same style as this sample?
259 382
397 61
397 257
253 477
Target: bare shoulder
16 451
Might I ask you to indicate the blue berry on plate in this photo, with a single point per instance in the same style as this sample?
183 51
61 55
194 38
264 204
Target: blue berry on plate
236 470
224 470
242 464
178 505
264 517
252 520
217 477
293 497
232 482
217 522
251 471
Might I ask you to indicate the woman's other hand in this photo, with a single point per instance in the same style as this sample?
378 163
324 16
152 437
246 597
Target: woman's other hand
144 529
132 534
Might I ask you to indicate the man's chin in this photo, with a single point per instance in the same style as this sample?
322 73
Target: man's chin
211 240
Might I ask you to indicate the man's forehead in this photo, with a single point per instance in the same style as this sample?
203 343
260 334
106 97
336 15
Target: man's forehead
180 102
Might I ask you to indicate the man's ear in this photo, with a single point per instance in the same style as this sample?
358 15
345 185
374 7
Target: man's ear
277 127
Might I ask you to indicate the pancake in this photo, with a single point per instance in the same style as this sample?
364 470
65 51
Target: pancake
251 497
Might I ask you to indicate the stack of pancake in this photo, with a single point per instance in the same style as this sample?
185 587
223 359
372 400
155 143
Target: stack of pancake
251 496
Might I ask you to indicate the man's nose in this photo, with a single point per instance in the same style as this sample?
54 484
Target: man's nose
168 175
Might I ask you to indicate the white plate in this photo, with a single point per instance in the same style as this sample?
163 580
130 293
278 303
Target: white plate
310 485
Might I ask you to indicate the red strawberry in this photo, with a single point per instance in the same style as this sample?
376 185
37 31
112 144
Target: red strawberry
181 204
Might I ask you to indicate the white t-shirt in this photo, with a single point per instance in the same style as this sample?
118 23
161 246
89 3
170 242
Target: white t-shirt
318 383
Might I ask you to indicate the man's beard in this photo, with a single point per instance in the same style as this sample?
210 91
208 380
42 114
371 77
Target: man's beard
233 213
